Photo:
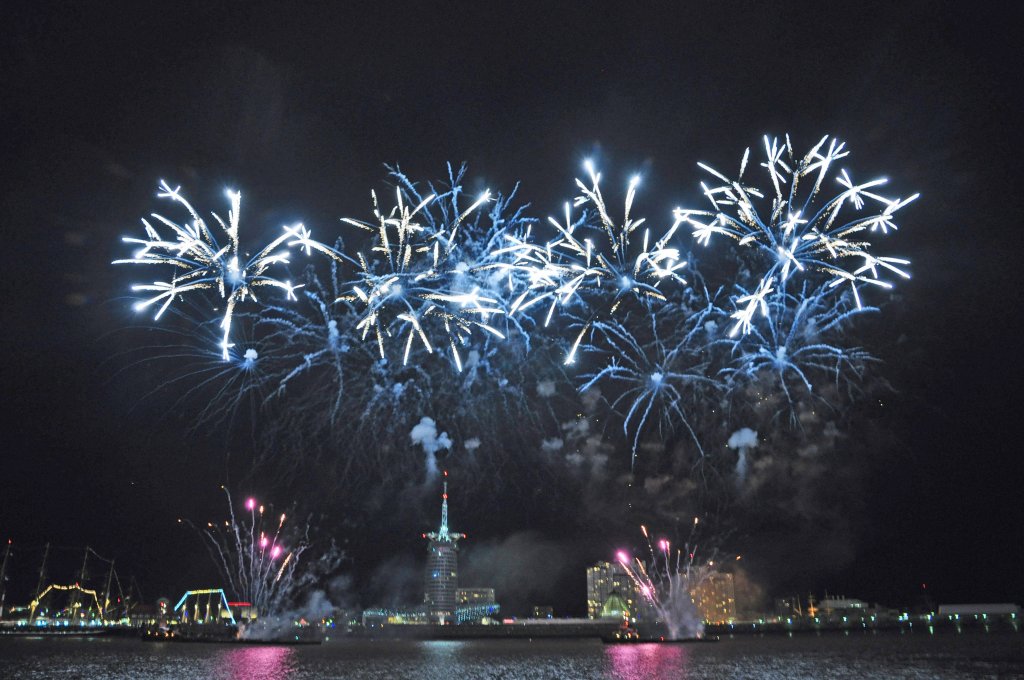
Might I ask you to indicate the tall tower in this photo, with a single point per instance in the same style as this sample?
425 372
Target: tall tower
441 579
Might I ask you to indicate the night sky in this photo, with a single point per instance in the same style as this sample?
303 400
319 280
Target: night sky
301 107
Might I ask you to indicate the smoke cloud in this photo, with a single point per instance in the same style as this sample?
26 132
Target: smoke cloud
552 445
742 440
425 434
522 568
546 388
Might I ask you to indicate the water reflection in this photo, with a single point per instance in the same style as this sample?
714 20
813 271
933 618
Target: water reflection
644 661
443 650
256 663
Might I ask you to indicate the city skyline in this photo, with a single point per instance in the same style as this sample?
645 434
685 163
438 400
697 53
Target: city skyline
108 446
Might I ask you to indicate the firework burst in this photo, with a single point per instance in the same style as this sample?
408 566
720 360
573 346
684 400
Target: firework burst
200 262
655 371
594 260
472 277
800 342
793 238
413 282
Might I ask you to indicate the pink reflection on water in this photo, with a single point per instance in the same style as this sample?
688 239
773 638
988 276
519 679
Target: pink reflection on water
255 663
640 661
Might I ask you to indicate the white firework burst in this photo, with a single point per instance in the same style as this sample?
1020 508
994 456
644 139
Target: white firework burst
198 261
795 238
413 283
594 260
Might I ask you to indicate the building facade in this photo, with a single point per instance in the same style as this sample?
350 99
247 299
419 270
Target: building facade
474 596
603 580
715 598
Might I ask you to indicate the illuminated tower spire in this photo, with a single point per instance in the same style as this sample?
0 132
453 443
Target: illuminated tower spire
442 535
443 532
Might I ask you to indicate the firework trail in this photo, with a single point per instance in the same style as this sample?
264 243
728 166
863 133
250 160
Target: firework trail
599 272
792 238
184 353
200 262
257 555
314 346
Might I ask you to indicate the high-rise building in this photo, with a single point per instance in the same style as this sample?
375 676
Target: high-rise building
603 580
715 598
441 579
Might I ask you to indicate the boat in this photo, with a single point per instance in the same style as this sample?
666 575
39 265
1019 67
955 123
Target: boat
300 635
629 635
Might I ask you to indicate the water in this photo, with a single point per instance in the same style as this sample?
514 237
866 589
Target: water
801 656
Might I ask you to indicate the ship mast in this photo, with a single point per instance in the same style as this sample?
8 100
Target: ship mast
3 578
74 605
106 595
39 586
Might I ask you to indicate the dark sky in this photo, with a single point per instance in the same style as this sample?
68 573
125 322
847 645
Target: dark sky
300 107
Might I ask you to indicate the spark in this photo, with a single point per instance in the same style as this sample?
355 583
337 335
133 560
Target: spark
753 301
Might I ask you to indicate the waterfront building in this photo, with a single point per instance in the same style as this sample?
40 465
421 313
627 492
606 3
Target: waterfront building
603 579
715 598
615 607
475 605
543 612
842 606
991 609
377 617
441 578
474 596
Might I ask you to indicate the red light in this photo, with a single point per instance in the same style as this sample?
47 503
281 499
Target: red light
444 496
445 473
